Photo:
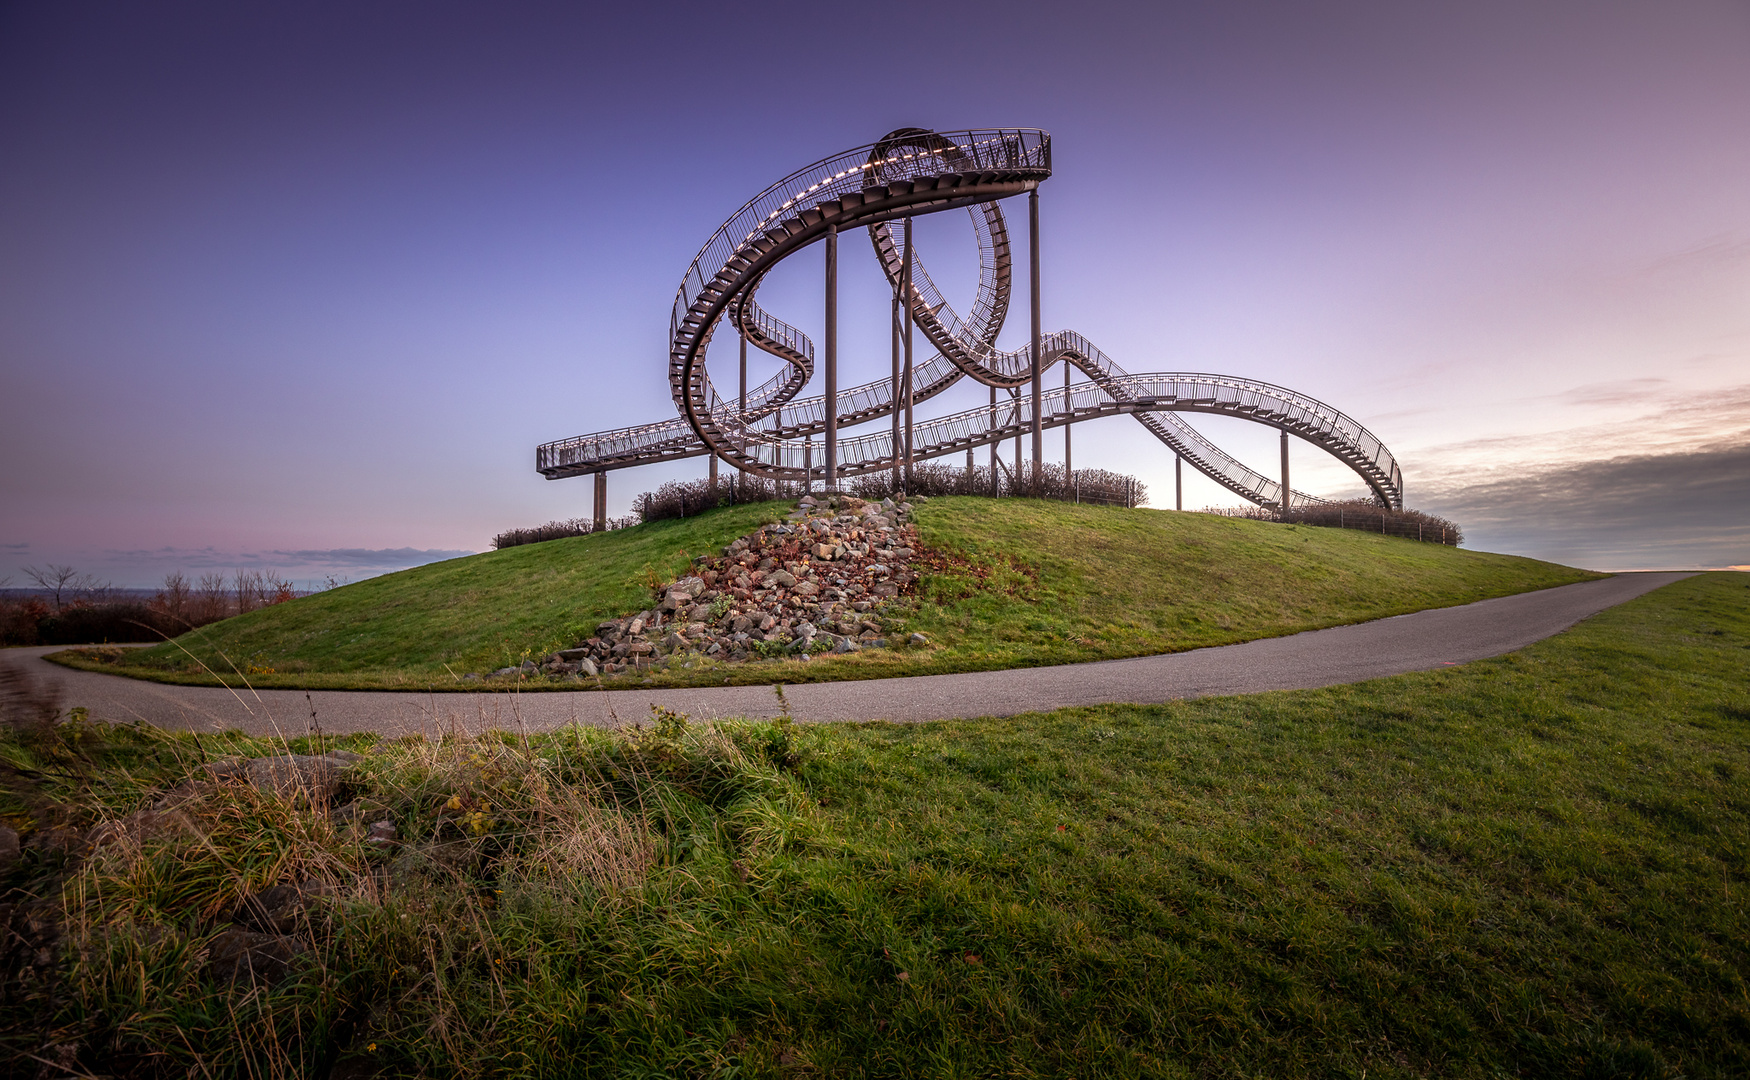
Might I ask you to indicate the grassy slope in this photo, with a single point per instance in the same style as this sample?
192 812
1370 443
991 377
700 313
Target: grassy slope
474 614
1533 866
1071 583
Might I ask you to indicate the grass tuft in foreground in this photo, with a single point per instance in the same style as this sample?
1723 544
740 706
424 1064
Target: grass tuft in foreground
1531 866
1022 582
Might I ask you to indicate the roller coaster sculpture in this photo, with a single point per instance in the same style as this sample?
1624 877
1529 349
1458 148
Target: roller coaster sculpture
768 431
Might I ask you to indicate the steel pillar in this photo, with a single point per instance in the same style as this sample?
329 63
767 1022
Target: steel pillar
741 482
1178 482
601 501
1069 407
897 395
712 482
1038 386
832 358
995 446
1284 501
905 293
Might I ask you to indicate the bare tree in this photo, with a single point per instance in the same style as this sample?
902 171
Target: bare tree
248 586
55 579
211 591
176 597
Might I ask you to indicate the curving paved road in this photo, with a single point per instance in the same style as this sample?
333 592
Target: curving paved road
1418 642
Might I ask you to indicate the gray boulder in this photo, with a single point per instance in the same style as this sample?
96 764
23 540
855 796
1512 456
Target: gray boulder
294 776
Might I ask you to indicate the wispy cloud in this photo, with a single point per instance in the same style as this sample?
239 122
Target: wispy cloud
1617 392
1626 512
1672 423
15 547
367 558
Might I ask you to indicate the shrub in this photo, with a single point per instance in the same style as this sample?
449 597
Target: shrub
1360 514
932 479
684 498
556 530
95 623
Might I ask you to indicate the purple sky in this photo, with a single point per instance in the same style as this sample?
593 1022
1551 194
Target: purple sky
302 288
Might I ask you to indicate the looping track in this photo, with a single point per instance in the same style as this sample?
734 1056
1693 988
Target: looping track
907 173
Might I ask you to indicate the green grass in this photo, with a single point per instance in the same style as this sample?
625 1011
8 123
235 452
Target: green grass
1046 583
1533 866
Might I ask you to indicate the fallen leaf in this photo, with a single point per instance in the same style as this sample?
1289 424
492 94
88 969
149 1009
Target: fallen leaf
905 976
973 958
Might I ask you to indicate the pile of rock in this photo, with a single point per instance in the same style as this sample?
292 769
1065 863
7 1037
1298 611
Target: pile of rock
812 584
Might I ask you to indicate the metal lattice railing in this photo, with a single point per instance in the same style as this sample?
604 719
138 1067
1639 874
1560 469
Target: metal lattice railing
774 433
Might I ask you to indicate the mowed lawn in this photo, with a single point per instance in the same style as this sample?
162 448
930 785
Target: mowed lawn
1533 866
1028 582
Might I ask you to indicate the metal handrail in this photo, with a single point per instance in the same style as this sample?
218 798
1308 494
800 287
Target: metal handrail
771 435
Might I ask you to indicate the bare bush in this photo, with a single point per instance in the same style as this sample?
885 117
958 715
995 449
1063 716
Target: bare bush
558 530
684 498
254 589
932 479
1359 514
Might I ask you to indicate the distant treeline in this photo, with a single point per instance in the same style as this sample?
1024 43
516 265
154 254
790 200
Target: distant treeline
1359 514
69 608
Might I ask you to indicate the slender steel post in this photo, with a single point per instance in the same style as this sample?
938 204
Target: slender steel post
905 292
741 480
1069 411
712 482
807 466
1015 400
1038 386
1178 482
601 501
1285 488
896 398
995 446
832 358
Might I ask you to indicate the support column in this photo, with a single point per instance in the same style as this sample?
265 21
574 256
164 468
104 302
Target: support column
1283 503
1038 387
832 358
905 294
995 446
1178 482
897 397
1069 410
601 501
741 480
712 482
1015 398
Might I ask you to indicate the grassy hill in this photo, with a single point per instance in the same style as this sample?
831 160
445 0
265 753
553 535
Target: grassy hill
1529 866
1031 582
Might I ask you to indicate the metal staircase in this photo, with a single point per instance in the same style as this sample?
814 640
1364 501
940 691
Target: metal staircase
907 173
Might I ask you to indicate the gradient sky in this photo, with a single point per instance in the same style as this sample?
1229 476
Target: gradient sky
302 287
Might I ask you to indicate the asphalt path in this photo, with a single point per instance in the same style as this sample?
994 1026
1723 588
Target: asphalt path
1421 641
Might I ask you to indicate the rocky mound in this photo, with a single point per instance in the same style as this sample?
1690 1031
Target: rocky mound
815 583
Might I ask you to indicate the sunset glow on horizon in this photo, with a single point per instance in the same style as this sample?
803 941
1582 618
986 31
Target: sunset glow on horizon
303 288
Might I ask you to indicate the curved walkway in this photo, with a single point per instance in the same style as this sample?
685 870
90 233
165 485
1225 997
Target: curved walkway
1418 642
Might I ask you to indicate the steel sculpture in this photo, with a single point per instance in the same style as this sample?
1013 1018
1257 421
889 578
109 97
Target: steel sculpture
769 431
